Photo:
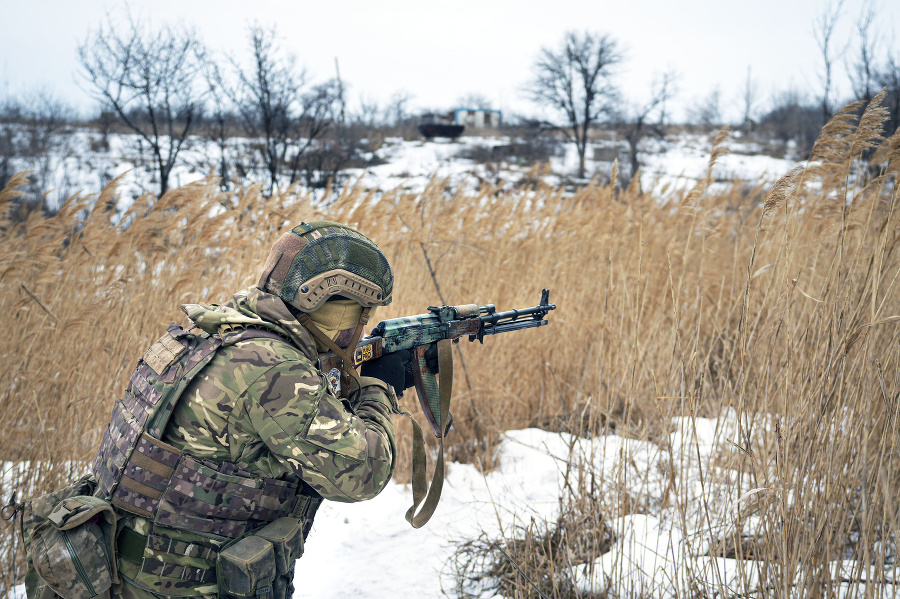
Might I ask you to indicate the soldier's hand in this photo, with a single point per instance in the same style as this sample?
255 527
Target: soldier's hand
431 358
392 369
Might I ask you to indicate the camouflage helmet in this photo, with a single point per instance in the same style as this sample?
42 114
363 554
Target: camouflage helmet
315 261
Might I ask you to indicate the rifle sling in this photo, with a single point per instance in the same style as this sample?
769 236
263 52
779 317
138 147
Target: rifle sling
445 383
430 494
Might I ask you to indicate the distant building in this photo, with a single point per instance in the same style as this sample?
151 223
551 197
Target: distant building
440 125
477 118
451 124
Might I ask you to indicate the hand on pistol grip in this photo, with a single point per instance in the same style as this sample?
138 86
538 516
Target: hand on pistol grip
393 369
431 358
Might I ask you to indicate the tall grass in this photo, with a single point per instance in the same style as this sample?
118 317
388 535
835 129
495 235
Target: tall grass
779 303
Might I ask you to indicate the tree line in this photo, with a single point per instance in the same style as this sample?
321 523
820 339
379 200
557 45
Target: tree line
164 87
269 120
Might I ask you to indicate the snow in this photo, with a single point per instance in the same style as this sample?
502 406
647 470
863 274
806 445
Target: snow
389 558
657 554
666 165
368 549
83 161
684 160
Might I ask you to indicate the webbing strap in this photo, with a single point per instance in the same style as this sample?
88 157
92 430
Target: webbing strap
445 368
346 359
169 570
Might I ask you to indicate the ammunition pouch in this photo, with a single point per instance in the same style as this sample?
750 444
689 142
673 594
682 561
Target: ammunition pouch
242 567
262 562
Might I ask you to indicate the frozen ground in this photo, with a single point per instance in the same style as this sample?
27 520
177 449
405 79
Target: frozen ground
80 162
368 549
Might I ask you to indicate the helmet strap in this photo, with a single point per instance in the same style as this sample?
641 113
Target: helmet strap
347 366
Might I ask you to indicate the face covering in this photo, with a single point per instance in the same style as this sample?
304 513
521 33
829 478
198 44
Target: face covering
337 319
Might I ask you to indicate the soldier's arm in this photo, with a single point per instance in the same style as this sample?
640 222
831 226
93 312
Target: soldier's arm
343 455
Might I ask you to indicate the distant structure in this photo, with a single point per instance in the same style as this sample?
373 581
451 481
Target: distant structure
477 118
435 124
451 124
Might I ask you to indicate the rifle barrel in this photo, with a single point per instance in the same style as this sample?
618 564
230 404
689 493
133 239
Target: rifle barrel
510 326
538 312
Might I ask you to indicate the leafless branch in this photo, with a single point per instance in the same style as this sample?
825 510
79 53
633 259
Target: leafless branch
575 81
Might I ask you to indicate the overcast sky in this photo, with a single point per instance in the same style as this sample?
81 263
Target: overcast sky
438 52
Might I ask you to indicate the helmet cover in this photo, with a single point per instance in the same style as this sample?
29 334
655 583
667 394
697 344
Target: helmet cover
316 261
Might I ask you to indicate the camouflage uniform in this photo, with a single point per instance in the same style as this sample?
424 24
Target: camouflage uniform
228 437
261 403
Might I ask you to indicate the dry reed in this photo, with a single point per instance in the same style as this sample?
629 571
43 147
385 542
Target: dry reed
781 308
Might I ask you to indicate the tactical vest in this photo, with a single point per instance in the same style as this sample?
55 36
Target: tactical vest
140 474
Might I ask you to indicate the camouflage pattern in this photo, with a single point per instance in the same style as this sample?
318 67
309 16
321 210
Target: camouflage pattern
153 388
247 568
72 551
262 404
33 517
314 261
162 568
257 421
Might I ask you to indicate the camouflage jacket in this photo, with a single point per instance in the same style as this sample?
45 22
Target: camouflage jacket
261 403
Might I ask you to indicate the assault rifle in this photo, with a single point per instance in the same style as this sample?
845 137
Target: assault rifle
419 333
422 334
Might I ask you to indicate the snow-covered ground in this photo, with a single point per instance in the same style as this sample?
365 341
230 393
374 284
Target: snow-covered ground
368 549
83 162
682 161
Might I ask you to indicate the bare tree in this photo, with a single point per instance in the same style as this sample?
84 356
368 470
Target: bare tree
151 80
792 117
749 100
35 135
575 80
823 31
708 110
369 114
475 100
638 124
317 158
862 71
889 79
221 122
277 109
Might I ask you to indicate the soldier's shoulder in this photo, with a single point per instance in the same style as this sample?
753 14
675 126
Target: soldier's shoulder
265 351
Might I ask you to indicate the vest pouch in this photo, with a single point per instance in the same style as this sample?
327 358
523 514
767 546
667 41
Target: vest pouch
32 515
286 536
72 551
246 568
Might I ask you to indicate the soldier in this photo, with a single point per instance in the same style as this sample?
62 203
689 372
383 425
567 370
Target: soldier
228 437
